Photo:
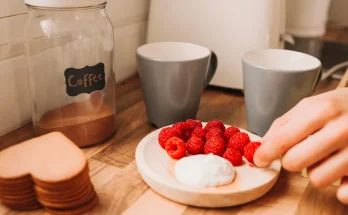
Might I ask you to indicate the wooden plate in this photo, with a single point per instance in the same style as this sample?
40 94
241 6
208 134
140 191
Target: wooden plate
156 168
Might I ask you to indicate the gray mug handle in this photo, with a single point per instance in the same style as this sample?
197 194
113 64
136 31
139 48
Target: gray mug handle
211 69
318 79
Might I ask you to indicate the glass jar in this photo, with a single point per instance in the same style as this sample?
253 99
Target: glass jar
69 48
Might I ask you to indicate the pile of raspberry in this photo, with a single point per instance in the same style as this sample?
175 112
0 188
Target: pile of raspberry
191 138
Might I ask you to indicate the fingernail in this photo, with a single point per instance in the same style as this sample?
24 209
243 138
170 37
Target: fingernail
258 162
342 194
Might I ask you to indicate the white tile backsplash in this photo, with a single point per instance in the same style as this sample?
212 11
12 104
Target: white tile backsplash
127 40
12 7
129 19
12 28
127 12
15 107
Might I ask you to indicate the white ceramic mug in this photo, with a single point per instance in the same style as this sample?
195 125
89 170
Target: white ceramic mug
307 18
338 16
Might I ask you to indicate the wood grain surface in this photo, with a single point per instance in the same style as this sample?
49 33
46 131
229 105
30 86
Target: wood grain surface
122 190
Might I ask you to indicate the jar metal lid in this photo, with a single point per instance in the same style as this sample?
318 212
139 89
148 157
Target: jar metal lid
64 3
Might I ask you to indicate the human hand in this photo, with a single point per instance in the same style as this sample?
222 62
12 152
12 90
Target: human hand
313 135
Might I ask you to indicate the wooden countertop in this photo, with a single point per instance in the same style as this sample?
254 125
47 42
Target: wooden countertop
122 191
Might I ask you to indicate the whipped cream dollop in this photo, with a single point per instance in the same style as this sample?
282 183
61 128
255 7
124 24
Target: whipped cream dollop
204 171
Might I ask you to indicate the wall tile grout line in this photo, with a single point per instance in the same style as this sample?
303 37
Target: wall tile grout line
17 14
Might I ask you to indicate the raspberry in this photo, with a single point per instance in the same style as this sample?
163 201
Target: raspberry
215 145
215 124
198 132
238 141
250 149
165 134
214 132
233 156
176 147
230 131
195 145
183 130
194 124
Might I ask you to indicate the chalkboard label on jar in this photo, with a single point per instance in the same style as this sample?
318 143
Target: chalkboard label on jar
85 80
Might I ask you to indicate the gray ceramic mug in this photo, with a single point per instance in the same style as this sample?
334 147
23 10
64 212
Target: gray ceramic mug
173 75
275 80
